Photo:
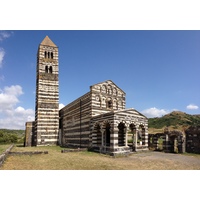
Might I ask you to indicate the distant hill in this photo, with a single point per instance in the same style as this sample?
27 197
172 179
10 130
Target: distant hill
174 120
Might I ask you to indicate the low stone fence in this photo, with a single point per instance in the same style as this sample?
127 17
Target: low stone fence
5 154
73 150
28 152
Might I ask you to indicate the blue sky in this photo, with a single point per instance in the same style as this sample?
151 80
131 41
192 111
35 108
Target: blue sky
158 70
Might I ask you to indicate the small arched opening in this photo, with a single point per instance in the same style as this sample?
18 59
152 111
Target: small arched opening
50 70
121 134
46 69
109 103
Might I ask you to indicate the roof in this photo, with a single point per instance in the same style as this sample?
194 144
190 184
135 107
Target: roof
48 42
108 82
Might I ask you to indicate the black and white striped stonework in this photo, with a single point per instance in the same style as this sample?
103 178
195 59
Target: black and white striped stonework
47 94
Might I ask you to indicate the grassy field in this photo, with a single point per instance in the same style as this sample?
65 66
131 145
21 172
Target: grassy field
55 160
3 147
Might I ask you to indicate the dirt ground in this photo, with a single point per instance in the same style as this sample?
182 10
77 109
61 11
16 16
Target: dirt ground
166 161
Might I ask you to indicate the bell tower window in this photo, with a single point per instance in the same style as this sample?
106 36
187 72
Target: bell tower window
50 69
46 69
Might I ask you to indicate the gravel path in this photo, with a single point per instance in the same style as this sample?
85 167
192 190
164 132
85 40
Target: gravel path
181 161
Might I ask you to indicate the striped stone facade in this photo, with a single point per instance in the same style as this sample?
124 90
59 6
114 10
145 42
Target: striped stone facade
110 131
75 122
98 120
47 94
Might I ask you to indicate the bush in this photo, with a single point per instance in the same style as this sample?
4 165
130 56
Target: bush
6 138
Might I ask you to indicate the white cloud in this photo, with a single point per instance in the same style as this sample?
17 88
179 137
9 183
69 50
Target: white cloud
192 107
154 112
11 116
2 54
9 97
14 90
61 106
4 35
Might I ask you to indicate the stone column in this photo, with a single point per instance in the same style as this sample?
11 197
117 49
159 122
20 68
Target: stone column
155 142
136 139
126 136
102 137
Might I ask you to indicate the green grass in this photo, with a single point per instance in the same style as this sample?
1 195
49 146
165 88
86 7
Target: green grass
3 147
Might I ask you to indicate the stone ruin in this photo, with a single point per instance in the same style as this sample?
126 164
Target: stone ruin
176 141
193 139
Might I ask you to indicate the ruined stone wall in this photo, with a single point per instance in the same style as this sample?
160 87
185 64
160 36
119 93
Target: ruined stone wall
170 141
193 139
29 134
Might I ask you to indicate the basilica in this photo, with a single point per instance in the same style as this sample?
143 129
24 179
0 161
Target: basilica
98 120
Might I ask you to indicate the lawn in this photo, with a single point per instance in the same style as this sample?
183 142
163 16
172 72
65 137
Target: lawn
3 147
84 160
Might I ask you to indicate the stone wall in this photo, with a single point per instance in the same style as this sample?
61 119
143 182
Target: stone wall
106 97
5 154
29 134
193 139
169 141
75 122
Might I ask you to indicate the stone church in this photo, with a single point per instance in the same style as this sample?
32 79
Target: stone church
98 120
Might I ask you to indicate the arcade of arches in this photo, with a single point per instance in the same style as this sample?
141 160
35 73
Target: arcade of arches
118 136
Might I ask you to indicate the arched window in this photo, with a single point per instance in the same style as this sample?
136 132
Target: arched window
45 54
48 54
50 69
51 55
109 104
46 69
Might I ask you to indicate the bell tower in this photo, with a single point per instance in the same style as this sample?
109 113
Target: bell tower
47 94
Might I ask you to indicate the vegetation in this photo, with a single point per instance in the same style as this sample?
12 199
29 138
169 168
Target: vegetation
174 120
3 147
11 136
